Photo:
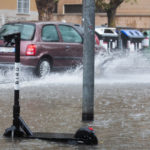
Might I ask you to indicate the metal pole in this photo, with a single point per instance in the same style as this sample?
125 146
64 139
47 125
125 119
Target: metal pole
88 60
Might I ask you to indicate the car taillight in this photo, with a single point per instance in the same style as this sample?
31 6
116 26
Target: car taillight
31 50
105 42
97 40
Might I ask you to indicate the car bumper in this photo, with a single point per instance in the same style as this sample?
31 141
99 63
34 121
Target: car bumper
27 61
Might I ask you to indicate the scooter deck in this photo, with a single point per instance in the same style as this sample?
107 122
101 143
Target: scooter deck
62 137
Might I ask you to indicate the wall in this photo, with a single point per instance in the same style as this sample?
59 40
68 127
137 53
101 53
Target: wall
121 20
128 14
132 14
8 12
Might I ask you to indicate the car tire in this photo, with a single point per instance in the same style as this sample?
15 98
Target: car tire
43 68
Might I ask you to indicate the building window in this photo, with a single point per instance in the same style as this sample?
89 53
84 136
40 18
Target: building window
23 6
73 8
77 8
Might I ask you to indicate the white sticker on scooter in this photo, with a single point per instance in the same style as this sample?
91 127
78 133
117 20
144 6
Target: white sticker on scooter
17 70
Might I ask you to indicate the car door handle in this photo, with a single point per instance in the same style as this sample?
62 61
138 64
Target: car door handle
67 47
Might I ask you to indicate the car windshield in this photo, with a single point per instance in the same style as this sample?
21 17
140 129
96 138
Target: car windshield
26 30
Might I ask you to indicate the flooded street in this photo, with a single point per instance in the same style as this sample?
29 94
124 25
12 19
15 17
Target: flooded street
54 104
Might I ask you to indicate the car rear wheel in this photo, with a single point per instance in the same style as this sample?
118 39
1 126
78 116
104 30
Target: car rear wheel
44 68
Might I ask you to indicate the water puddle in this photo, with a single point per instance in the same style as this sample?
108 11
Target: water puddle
54 104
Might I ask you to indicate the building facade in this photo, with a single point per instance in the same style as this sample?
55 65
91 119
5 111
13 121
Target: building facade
131 14
11 10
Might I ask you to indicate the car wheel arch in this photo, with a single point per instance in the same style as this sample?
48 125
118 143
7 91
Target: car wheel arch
48 57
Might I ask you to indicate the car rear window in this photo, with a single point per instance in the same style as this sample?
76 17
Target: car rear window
26 30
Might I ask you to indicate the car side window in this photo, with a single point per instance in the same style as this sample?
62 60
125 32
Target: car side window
69 34
49 33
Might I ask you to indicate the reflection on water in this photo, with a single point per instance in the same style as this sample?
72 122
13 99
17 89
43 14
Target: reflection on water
54 104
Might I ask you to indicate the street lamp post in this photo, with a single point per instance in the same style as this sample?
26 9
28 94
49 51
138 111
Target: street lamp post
88 60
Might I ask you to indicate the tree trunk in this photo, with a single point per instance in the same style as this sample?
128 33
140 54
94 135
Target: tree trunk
45 9
45 14
111 17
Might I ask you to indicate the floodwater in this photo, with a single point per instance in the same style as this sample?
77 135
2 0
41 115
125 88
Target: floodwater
54 104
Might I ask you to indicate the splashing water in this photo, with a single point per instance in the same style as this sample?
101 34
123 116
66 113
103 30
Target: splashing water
134 68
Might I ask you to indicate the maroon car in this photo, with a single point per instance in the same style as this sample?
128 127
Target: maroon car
45 46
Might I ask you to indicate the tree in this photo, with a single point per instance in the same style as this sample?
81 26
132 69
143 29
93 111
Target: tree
45 9
110 7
